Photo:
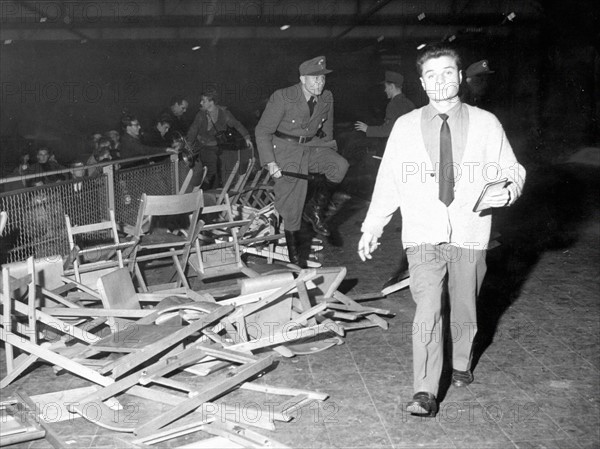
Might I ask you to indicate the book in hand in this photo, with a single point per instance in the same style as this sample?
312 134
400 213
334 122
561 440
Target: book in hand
488 191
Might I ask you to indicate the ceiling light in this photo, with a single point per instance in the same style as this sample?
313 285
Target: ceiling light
197 47
421 46
284 27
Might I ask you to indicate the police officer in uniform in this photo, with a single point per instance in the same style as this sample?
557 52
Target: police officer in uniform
295 134
397 106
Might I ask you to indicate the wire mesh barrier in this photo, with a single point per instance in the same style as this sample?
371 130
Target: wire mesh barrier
36 224
36 215
154 179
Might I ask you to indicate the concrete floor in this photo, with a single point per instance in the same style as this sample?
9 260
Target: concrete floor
536 377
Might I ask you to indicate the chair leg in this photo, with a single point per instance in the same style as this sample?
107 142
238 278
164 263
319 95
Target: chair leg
20 364
140 278
182 278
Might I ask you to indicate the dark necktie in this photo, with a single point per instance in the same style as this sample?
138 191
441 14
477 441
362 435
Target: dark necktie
446 174
311 105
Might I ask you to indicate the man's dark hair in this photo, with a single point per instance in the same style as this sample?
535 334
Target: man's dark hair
127 119
176 99
211 94
164 118
436 51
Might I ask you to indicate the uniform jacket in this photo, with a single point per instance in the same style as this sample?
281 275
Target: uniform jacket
397 106
407 180
287 112
199 129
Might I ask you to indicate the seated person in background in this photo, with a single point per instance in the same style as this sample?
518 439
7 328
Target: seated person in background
131 146
158 135
45 162
211 119
101 154
115 141
176 110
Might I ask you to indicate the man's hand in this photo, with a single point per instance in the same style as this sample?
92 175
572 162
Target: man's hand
274 170
500 199
249 143
361 126
366 245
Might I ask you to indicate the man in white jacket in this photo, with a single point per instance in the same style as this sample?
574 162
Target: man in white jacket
437 161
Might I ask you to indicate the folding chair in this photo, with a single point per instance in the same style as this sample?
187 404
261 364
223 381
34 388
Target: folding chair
241 183
155 245
95 249
118 293
260 191
216 244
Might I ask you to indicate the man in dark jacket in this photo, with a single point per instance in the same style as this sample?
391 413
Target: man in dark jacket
397 106
295 134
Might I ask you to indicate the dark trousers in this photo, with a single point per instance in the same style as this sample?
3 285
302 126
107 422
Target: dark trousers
290 193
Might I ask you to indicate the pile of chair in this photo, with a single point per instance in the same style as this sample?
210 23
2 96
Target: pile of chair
177 356
180 352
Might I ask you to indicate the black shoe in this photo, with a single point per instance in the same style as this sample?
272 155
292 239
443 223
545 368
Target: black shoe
461 378
292 240
314 215
423 404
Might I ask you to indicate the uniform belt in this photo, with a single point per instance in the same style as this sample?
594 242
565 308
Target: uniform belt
298 139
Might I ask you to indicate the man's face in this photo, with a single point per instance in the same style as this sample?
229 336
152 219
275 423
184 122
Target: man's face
43 156
163 128
134 129
389 90
441 78
207 104
180 108
313 84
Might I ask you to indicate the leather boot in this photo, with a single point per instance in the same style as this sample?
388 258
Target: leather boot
292 240
314 211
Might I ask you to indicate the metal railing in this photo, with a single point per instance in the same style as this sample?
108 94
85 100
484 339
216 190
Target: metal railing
36 215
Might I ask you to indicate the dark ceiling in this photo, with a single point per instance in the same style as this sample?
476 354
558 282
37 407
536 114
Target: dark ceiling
231 19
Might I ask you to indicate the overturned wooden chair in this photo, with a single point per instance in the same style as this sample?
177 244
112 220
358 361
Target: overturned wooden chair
24 327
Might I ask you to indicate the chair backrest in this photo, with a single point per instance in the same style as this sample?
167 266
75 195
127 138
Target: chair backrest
48 271
106 244
164 205
242 181
117 292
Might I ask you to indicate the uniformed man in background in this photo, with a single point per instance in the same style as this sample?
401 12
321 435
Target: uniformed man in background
295 134
397 106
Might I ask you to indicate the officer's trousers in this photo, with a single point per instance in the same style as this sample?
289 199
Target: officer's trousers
290 193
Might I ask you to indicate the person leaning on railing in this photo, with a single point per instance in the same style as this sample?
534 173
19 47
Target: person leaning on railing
131 146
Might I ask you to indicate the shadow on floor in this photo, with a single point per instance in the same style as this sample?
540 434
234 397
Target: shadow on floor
555 201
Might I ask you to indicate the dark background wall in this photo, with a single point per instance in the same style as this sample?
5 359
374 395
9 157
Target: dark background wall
58 93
